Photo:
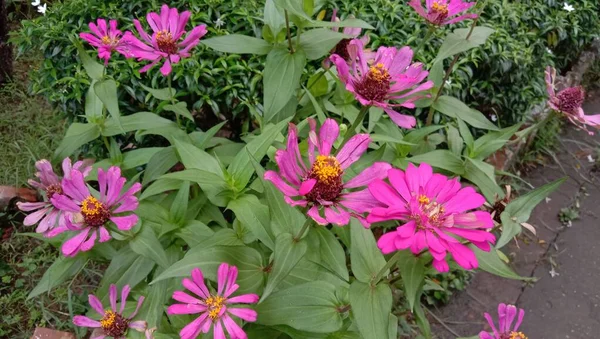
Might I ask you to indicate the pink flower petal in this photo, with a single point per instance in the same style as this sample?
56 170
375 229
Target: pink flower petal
125 223
186 309
307 186
378 170
280 184
82 321
192 330
243 299
96 304
353 150
313 212
328 134
71 246
234 330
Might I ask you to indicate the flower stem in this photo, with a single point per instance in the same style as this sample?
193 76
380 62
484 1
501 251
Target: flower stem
425 39
393 260
106 143
306 225
173 98
357 122
289 35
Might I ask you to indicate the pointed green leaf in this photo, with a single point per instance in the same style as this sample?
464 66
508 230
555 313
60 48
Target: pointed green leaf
238 44
332 252
456 42
287 254
281 78
413 275
58 272
491 262
160 94
371 306
365 256
94 69
443 159
254 216
180 109
77 135
318 42
180 204
453 108
106 90
145 243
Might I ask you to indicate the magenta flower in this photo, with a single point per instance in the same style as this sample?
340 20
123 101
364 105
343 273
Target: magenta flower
341 48
439 11
49 183
112 323
214 308
166 41
435 210
390 77
90 214
569 102
321 183
107 39
506 316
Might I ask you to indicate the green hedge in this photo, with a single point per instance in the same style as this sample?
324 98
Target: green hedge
505 78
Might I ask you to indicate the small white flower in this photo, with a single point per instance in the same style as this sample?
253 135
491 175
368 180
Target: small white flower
548 200
549 51
35 3
568 7
553 273
590 159
448 82
42 8
494 117
219 23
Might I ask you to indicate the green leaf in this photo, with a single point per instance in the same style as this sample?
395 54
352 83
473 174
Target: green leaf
371 306
317 84
254 216
491 262
455 142
77 136
127 268
139 157
94 69
135 122
160 186
159 164
393 326
466 134
456 41
281 78
273 17
320 114
160 94
194 158
195 232
365 256
180 204
332 252
318 42
145 243
443 159
180 109
208 181
62 269
208 259
307 307
106 90
350 22
519 210
413 275
238 44
287 254
453 108
436 74
284 218
493 141
482 174
295 7
93 105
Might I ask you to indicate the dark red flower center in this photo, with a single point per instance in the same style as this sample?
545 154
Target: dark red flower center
94 212
166 43
52 190
570 99
341 49
328 173
376 84
439 12
113 324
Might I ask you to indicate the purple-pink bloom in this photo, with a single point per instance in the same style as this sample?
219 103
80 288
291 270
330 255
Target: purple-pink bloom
107 39
113 323
389 77
49 184
341 48
506 316
437 212
440 12
90 214
569 102
166 41
215 308
321 183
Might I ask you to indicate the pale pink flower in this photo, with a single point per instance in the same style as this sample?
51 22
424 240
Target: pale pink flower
437 214
341 48
90 214
49 184
569 102
506 316
107 39
113 323
166 42
215 308
389 76
321 183
440 12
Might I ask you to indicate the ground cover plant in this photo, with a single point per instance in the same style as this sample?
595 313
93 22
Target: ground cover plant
335 200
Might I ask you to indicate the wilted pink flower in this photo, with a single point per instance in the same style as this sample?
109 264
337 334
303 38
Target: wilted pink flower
165 42
214 308
569 102
321 183
107 39
341 48
112 323
390 77
49 183
91 214
439 11
436 211
506 316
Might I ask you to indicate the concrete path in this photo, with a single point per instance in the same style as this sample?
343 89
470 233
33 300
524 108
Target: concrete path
566 305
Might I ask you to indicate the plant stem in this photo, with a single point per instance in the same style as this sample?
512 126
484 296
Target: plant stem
173 99
306 225
425 39
106 143
357 122
289 35
393 260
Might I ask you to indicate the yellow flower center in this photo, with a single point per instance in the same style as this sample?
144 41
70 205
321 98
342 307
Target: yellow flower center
517 335
376 83
424 200
113 324
106 40
94 212
379 73
215 304
109 319
326 169
165 42
431 209
440 8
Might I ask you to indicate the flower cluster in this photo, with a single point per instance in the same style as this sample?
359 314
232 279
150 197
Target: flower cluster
443 12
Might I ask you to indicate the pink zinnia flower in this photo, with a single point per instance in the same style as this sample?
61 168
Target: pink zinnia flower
436 211
506 316
439 11
112 323
165 42
321 183
569 102
341 48
91 214
390 76
214 308
107 39
49 183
